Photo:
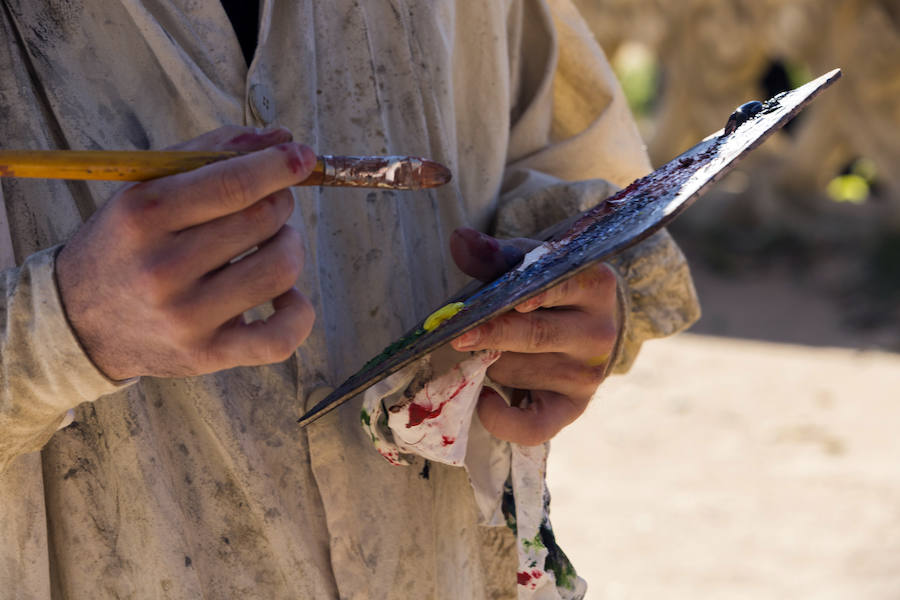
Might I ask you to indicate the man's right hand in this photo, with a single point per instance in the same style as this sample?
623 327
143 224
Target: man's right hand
147 282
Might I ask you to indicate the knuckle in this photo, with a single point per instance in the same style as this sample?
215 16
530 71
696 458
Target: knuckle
206 358
565 290
587 378
229 131
279 273
599 279
219 138
132 212
235 185
298 253
265 216
154 283
279 348
293 242
493 332
608 280
541 333
181 326
605 334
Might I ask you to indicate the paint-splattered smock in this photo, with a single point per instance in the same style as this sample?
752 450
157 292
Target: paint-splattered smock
205 486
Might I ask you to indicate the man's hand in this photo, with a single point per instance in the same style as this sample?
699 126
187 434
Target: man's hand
556 345
147 282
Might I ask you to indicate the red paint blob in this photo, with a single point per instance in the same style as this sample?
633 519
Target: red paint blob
523 577
447 440
418 413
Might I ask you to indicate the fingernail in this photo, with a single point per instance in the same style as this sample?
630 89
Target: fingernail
468 339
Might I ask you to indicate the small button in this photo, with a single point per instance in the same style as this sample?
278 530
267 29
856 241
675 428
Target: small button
262 104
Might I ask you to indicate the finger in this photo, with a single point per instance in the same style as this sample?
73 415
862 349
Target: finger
249 282
222 188
550 372
484 257
269 341
534 424
593 290
560 330
237 138
201 249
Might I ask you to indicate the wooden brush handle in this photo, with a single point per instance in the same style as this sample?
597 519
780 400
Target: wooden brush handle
110 165
391 172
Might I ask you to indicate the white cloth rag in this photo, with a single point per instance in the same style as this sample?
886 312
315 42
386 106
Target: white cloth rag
426 409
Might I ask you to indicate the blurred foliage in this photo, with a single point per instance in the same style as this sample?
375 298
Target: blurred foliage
798 73
684 67
638 71
823 195
848 188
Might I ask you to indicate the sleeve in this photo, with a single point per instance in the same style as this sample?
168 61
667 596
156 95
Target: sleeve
573 143
43 370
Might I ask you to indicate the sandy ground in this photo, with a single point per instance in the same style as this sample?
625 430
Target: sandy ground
730 467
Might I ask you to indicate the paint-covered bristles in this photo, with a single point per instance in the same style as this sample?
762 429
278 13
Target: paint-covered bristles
390 172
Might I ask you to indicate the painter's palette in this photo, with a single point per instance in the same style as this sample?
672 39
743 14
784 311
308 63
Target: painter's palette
620 221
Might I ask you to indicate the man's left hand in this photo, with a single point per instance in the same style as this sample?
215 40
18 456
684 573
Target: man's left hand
556 345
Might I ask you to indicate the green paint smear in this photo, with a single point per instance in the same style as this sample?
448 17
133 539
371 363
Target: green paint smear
564 573
366 419
535 543
556 560
393 349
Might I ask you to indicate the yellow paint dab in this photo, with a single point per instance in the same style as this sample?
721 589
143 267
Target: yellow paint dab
441 315
596 361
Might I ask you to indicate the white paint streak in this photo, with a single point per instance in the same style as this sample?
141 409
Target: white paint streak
533 256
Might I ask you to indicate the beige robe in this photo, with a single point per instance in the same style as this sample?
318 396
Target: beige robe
205 486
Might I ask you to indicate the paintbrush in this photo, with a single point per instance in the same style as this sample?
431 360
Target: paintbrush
390 172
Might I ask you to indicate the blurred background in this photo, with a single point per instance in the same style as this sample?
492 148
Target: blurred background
758 455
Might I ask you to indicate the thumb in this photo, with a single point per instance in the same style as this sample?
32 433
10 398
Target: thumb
484 257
